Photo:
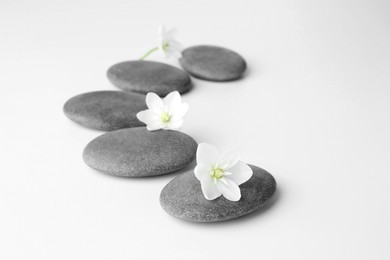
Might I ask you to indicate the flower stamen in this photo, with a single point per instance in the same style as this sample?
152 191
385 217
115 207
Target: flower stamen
165 45
217 173
165 118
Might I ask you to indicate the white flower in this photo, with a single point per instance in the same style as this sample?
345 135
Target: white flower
220 174
167 43
164 113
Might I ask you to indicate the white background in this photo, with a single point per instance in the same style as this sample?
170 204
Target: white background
313 109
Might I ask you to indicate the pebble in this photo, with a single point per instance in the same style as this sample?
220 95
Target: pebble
106 110
183 198
149 76
137 152
213 63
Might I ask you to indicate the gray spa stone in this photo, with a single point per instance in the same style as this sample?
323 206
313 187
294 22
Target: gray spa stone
137 152
149 76
183 198
106 110
213 63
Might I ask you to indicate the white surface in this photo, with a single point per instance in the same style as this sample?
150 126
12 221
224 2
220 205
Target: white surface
313 110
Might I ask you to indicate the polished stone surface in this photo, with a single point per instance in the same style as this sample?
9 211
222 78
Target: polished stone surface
183 198
106 110
149 76
137 152
213 63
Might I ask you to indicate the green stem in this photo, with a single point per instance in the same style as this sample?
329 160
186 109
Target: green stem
148 53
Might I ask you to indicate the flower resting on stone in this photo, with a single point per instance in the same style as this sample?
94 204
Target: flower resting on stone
167 44
220 174
164 113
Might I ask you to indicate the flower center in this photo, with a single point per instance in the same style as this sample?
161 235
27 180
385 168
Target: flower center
165 117
217 173
165 45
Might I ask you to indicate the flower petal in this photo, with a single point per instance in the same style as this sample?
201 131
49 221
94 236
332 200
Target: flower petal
153 127
207 154
175 54
175 45
170 34
202 172
230 191
209 189
154 102
161 47
174 125
151 119
229 159
172 100
171 52
179 112
240 173
147 116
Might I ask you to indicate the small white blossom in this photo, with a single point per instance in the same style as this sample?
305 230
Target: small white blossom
220 174
167 43
164 113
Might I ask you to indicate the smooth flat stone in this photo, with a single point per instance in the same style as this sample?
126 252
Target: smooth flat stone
137 152
149 76
183 198
106 110
213 63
